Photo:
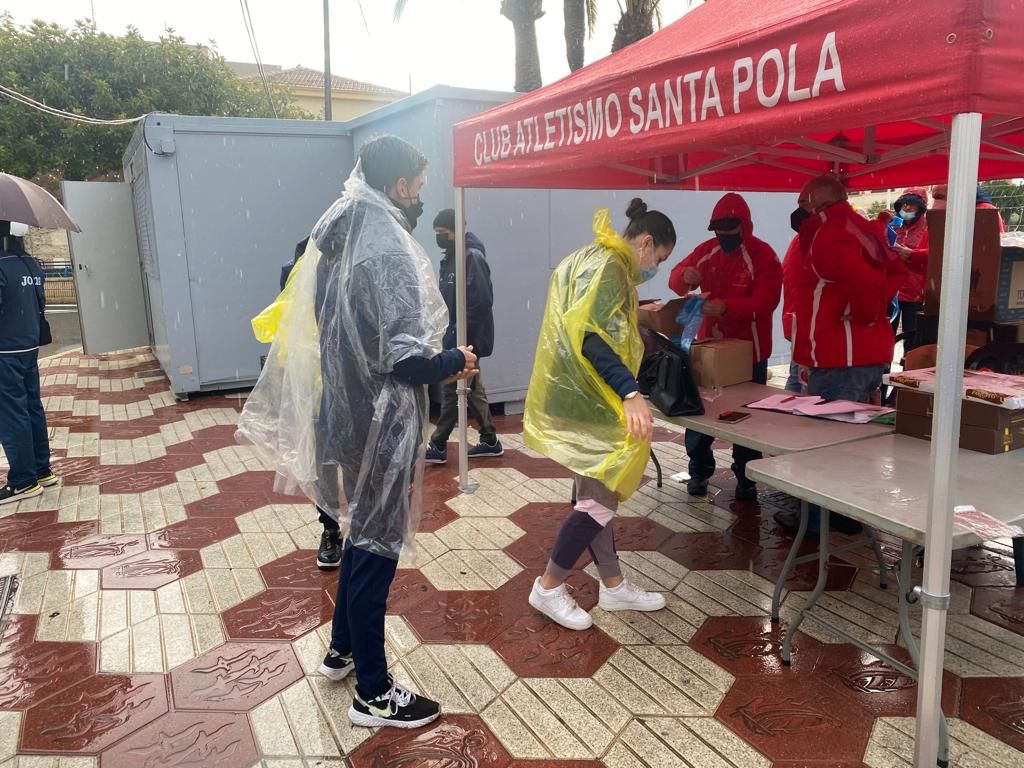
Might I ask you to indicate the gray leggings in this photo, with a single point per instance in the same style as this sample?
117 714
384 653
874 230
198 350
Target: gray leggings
588 527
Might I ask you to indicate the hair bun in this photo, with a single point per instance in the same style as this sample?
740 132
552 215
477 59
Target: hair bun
636 209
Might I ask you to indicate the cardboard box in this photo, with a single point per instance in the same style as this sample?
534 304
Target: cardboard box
983 428
722 362
661 316
986 257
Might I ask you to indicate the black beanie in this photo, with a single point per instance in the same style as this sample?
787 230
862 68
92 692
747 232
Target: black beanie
446 219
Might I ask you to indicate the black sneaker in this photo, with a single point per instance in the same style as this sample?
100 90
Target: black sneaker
746 492
696 486
486 450
329 554
9 495
336 666
397 708
48 480
436 454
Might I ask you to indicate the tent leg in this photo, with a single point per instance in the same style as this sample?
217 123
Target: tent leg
460 334
965 145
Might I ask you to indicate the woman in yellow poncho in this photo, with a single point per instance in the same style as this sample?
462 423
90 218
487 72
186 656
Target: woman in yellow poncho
584 408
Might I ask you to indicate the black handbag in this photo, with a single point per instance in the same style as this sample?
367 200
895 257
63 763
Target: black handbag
667 377
45 334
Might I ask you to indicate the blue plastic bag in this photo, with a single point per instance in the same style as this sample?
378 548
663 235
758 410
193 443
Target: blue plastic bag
690 317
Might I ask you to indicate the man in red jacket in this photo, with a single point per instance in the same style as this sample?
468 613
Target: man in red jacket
743 276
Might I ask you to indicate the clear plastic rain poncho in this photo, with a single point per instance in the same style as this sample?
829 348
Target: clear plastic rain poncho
327 412
572 415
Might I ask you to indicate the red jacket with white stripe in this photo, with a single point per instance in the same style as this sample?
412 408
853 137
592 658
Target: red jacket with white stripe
843 293
748 280
792 266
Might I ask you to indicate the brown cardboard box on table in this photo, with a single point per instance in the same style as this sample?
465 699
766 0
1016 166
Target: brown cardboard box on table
986 257
984 428
722 362
661 316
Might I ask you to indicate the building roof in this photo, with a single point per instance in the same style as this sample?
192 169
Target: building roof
303 77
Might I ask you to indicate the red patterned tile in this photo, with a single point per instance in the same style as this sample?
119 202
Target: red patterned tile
224 433
556 764
996 706
194 533
878 687
125 397
436 513
515 592
74 423
409 589
530 466
982 567
98 475
198 447
840 576
128 430
31 671
542 519
278 614
534 646
67 468
259 483
187 738
460 617
710 551
152 570
95 714
1000 605
139 483
638 533
235 676
748 646
170 463
99 551
453 740
298 570
227 504
16 526
792 716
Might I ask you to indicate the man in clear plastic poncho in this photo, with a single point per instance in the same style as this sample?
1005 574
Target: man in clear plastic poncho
584 408
343 396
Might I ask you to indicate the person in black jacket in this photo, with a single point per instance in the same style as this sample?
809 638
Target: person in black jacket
480 336
23 432
328 554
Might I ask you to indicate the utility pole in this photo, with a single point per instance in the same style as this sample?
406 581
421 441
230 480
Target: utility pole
327 60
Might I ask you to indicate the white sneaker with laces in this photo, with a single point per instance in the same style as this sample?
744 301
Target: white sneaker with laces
558 605
629 597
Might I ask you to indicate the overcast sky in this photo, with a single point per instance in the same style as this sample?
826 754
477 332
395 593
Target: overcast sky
452 42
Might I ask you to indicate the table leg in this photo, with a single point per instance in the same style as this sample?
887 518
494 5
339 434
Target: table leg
883 580
905 589
780 583
1018 560
819 588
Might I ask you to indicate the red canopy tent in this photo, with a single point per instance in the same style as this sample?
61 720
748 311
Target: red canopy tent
764 95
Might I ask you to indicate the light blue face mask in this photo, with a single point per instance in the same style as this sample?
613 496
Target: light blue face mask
649 273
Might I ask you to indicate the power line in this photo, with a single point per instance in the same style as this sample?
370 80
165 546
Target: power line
250 30
28 101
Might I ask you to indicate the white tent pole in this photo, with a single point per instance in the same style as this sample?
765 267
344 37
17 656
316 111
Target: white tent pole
460 330
965 144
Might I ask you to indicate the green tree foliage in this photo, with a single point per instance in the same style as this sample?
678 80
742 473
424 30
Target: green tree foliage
1008 197
86 72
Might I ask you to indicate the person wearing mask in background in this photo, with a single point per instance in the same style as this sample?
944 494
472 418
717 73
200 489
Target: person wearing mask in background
23 431
479 335
743 278
584 408
792 268
912 246
367 294
328 554
982 201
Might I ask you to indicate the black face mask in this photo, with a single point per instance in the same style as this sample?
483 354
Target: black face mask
797 218
444 243
729 242
412 213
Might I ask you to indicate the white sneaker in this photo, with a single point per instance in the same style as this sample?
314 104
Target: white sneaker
629 597
557 604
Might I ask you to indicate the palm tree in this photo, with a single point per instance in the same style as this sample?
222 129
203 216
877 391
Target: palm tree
580 19
524 15
636 22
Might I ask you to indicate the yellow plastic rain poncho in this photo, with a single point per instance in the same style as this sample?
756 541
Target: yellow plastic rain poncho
572 415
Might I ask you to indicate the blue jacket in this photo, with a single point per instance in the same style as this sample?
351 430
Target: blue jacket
21 302
479 297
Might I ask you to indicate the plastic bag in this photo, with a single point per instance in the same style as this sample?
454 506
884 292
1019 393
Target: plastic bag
572 415
265 325
354 445
690 317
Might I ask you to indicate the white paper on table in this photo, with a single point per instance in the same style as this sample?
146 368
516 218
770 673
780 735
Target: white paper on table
984 525
783 403
837 407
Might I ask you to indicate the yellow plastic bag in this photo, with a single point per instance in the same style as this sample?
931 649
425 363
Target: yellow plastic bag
572 415
266 323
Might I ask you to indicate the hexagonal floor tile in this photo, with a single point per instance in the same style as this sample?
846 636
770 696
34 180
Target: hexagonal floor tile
227 504
638 533
710 551
792 716
749 646
1000 605
50 538
235 676
409 589
535 646
983 567
878 687
187 738
151 570
31 671
139 483
459 617
194 533
14 527
95 714
278 614
996 706
298 570
98 551
451 740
